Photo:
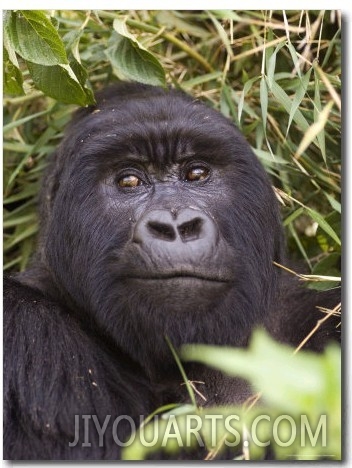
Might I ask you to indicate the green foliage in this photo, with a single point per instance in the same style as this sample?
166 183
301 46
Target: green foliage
300 402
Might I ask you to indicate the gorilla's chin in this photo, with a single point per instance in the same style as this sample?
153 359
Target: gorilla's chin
180 292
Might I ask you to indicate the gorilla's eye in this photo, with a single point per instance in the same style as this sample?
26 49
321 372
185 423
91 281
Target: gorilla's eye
197 174
129 181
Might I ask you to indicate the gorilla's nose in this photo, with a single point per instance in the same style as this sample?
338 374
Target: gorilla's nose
189 232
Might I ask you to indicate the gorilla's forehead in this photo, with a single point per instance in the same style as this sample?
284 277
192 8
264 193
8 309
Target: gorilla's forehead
160 130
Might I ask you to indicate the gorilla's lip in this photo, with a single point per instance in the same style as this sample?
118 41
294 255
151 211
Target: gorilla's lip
181 276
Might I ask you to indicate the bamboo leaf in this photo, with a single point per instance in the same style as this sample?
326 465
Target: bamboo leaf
323 224
264 101
299 95
247 86
282 97
314 129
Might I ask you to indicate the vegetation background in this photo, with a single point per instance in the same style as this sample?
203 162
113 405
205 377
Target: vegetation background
276 74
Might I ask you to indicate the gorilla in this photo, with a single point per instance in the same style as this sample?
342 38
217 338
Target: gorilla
156 220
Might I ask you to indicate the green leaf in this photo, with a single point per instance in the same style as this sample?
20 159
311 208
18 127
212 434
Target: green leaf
247 86
288 381
34 37
60 83
12 76
325 241
82 77
131 59
328 266
299 243
268 159
314 130
293 216
282 97
222 34
264 101
173 20
19 220
197 80
22 234
323 224
299 95
332 44
272 64
28 118
317 111
295 58
334 203
71 41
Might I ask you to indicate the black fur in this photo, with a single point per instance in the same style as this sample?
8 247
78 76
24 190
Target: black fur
85 326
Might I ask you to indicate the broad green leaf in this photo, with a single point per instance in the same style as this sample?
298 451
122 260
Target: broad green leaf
131 59
60 83
12 76
287 381
82 76
34 37
71 41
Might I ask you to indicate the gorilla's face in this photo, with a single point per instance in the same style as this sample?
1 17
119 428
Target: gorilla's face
162 220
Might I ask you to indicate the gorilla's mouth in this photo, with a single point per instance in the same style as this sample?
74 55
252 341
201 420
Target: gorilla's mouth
186 276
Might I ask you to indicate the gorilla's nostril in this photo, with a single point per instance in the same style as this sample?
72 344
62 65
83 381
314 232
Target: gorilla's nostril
190 230
161 230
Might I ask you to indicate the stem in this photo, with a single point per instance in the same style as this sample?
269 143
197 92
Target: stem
22 99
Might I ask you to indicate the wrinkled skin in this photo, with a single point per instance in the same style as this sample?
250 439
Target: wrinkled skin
156 220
